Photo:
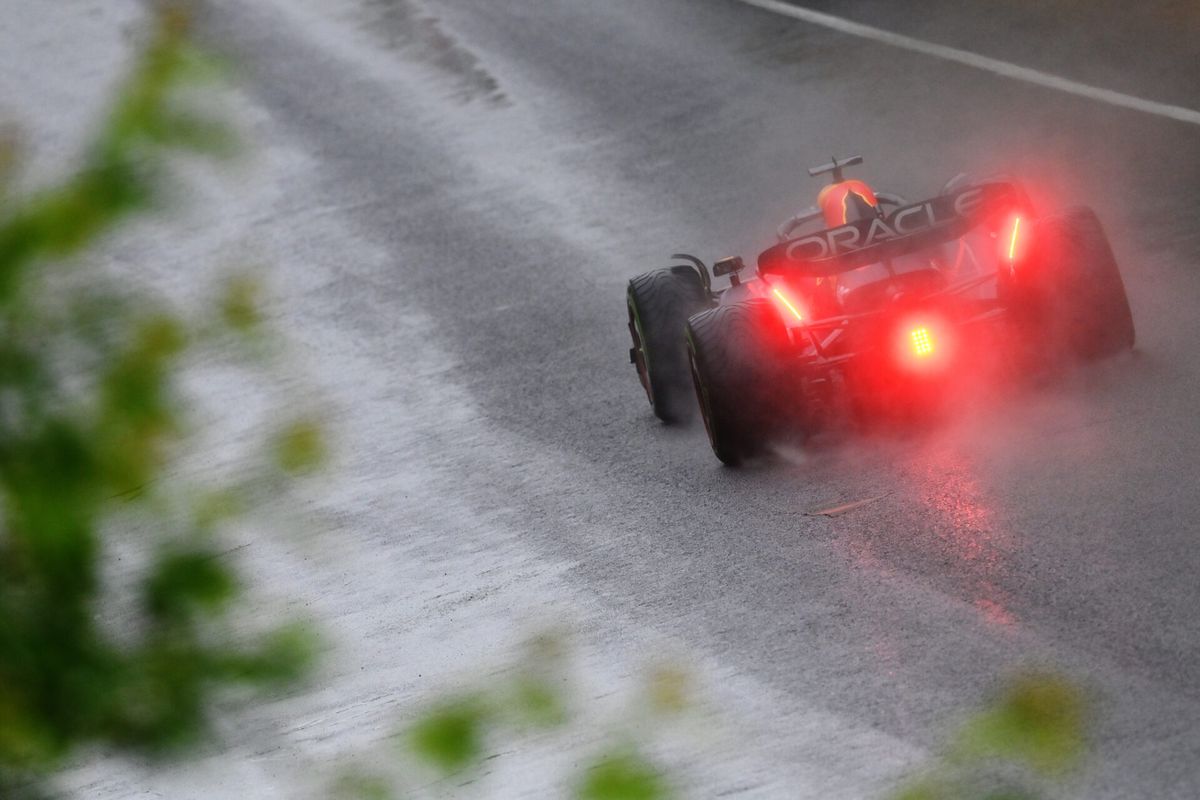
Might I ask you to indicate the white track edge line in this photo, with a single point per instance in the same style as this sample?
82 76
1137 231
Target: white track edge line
993 65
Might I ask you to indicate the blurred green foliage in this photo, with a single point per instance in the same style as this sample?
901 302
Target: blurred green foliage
1019 746
455 735
1038 722
1029 736
300 447
357 785
668 690
622 776
239 304
90 420
450 735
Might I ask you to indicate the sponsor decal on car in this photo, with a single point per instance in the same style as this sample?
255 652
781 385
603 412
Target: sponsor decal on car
904 221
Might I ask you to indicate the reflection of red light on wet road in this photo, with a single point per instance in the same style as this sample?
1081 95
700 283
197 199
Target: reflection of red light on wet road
946 517
965 528
995 613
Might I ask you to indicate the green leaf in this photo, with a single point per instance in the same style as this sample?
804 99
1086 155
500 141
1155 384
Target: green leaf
239 304
450 736
1037 721
668 690
183 584
360 785
284 656
538 702
300 447
922 790
623 776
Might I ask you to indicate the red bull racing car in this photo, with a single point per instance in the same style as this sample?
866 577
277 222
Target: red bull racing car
868 305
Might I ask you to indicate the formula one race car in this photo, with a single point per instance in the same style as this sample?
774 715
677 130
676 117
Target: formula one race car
873 309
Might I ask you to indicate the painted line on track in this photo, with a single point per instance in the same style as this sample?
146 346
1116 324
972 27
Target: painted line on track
967 58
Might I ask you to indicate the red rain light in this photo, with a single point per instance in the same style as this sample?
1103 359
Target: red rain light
1012 241
922 342
788 304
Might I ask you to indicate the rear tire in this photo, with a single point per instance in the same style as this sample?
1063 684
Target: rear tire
1077 290
736 357
659 305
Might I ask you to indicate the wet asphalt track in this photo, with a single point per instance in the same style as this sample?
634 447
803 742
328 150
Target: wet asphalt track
581 143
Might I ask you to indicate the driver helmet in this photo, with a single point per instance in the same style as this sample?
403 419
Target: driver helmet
847 201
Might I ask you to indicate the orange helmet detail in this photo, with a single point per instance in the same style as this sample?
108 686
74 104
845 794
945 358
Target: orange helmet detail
846 201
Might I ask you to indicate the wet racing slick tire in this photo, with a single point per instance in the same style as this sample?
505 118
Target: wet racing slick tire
659 305
735 354
1077 289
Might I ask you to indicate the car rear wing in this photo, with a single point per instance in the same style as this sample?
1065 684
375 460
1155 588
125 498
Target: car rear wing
905 230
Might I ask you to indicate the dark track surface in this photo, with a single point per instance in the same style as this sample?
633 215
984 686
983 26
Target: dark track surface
1051 526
